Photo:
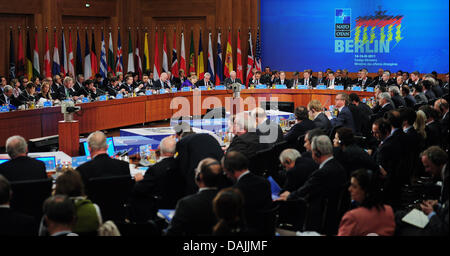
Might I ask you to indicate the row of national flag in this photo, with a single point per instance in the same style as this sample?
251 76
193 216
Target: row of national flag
28 64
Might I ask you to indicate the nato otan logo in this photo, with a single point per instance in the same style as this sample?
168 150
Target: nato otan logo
342 22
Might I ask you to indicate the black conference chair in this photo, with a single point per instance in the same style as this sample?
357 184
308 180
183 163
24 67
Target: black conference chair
292 214
29 196
148 228
111 194
260 163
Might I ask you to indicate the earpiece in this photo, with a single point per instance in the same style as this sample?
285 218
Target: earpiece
318 153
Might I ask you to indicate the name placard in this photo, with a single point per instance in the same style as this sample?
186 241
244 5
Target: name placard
4 109
47 104
185 89
102 98
162 91
119 96
148 92
174 90
280 86
302 86
339 87
321 87
83 100
261 86
220 87
356 88
203 88
370 89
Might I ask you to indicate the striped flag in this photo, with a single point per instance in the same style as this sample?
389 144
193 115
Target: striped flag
156 67
87 60
200 65
110 55
79 66
20 57
36 67
192 54
71 60
165 61
219 63
56 69
249 59
182 54
174 67
103 64
211 59
94 62
146 54
119 58
28 60
47 69
130 66
64 67
138 60
258 53
228 57
12 58
239 69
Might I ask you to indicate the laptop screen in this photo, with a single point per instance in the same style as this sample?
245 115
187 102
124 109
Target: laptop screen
109 142
274 187
79 160
49 161
3 161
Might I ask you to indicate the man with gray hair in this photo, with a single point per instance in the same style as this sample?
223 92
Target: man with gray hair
325 183
101 165
246 139
398 100
162 82
7 97
206 81
384 101
67 91
163 180
231 80
298 168
269 131
21 167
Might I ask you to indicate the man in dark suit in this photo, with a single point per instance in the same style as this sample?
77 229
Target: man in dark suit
57 84
349 154
163 180
410 101
295 81
344 117
21 167
194 213
256 80
319 119
427 85
127 87
267 76
255 189
28 94
7 97
364 81
331 81
13 223
162 82
441 105
394 91
325 182
308 80
79 82
415 79
386 81
384 101
101 165
269 131
59 215
433 127
67 91
191 150
282 79
435 161
298 169
303 124
418 94
230 80
246 140
365 113
321 80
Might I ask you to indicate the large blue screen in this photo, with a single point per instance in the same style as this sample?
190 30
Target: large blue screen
392 34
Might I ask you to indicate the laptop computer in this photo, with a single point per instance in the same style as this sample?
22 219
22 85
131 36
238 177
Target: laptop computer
49 161
79 160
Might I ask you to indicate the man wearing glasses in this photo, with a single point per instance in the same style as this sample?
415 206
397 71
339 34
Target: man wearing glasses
344 117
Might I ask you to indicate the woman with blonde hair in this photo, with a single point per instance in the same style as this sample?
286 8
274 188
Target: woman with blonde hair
420 123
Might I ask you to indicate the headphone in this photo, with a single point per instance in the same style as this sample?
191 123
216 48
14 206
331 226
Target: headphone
318 153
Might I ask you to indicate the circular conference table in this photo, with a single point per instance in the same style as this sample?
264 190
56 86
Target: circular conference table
110 114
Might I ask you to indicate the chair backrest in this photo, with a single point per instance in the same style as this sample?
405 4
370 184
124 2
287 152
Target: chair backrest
29 196
148 228
292 214
260 163
111 194
267 219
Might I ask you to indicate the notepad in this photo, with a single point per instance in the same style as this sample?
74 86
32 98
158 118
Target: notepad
416 218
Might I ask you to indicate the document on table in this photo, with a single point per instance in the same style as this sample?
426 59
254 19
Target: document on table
416 218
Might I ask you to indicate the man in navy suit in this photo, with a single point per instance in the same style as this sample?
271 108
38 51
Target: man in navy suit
344 118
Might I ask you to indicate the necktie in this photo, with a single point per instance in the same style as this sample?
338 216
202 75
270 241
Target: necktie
67 93
257 81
